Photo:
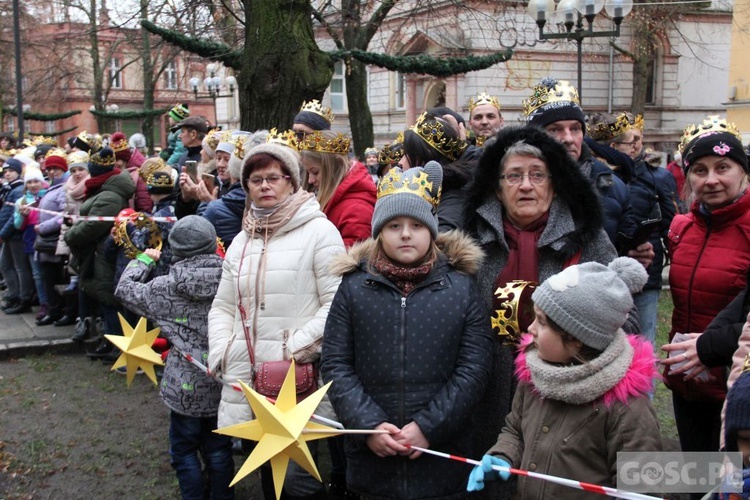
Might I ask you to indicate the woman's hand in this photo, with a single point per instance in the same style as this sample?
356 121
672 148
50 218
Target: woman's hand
643 253
411 435
693 365
383 445
203 194
187 186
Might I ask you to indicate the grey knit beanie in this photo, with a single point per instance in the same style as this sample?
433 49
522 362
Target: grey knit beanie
591 301
414 193
192 235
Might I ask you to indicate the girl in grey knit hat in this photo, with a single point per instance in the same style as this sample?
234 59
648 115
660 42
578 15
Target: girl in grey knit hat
584 385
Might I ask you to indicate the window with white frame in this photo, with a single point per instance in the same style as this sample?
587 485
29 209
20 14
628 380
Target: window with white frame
170 76
115 75
337 89
49 127
400 90
10 123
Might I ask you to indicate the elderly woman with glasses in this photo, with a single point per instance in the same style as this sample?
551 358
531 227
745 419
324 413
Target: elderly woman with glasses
534 213
275 290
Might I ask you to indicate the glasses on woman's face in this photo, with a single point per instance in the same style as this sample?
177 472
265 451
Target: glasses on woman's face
514 178
272 180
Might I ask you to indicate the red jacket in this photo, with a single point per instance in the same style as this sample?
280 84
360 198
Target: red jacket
710 260
352 204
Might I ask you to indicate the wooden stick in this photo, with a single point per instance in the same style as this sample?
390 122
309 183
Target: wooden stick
345 431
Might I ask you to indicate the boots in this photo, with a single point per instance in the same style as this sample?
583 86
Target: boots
23 306
83 330
43 311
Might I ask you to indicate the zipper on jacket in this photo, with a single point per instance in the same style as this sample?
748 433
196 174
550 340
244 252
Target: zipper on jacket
403 302
692 277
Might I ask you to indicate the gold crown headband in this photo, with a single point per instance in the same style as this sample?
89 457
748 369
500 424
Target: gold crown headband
239 147
316 141
286 138
712 124
399 182
483 98
603 131
215 136
154 165
433 133
120 145
102 161
160 181
314 106
141 221
391 154
40 139
57 152
542 95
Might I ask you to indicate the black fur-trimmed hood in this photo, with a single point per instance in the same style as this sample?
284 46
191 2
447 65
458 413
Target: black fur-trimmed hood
570 185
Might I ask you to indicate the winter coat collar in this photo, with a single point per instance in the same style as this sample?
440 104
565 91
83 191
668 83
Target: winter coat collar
725 215
626 369
357 184
460 251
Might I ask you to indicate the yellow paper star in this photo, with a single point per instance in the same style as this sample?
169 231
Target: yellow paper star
280 431
135 345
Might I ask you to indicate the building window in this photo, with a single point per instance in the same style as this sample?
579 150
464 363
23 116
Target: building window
49 127
400 90
115 75
10 123
338 88
170 76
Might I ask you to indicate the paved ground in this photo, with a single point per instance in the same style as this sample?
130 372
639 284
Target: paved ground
19 336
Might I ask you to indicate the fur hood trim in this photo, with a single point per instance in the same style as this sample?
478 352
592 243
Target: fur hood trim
569 183
638 380
460 250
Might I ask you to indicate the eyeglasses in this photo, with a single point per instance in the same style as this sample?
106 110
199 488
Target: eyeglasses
631 144
271 179
515 179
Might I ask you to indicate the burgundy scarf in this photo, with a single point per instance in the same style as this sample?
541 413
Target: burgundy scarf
523 260
93 184
405 278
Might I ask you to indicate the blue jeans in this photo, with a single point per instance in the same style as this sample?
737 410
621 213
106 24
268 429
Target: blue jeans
17 270
191 436
36 272
647 302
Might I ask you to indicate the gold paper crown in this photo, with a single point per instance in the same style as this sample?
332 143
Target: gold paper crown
151 166
57 152
638 122
746 364
40 139
79 157
433 133
542 95
399 182
286 138
107 161
711 125
214 137
515 306
93 140
391 154
623 123
159 181
483 98
140 220
239 147
316 141
314 106
120 145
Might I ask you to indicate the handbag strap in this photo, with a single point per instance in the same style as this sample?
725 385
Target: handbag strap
243 312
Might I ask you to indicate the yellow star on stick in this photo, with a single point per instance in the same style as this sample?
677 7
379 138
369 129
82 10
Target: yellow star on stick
282 431
135 345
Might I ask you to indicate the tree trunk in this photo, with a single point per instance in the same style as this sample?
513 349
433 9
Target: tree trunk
360 117
640 84
147 126
282 65
98 90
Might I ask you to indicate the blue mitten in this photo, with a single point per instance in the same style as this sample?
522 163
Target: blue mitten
485 472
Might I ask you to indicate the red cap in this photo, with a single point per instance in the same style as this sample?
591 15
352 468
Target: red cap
55 161
119 144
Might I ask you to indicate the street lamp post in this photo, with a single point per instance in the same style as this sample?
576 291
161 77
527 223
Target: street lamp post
212 85
572 13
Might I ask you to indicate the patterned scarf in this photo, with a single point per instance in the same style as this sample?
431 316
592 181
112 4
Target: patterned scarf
405 278
76 190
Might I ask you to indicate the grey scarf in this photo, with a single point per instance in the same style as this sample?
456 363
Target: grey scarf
580 384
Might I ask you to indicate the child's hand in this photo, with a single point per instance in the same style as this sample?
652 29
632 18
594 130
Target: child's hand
412 435
485 472
383 445
153 253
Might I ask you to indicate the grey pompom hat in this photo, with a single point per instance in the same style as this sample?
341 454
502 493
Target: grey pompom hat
192 235
591 301
412 193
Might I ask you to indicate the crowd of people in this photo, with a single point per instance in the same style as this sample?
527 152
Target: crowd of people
473 287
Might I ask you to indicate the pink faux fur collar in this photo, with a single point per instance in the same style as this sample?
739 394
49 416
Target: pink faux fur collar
638 380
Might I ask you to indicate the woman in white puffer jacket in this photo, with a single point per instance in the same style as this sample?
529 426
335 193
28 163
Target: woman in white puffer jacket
277 270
